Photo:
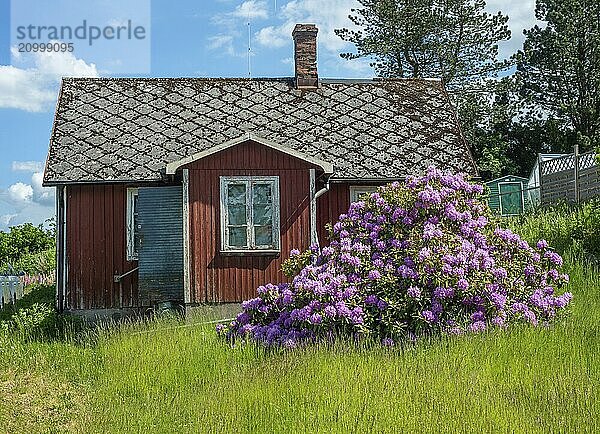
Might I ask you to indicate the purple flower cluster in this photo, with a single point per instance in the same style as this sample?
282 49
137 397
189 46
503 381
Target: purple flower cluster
414 258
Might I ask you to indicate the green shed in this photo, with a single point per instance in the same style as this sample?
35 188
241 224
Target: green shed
508 195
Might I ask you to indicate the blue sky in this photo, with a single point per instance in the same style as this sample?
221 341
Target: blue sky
185 38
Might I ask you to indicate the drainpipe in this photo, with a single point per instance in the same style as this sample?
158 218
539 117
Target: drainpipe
313 206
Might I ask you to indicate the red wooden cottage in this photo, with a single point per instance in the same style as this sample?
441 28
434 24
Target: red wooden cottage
194 190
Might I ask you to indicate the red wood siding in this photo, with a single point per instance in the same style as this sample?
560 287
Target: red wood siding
329 207
96 249
221 278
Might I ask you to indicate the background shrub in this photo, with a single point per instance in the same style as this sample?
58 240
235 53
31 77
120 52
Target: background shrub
28 248
563 226
34 317
40 294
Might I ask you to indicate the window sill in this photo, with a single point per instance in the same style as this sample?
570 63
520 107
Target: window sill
250 252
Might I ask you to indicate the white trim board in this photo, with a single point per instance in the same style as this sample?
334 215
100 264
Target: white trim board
251 245
187 291
131 254
172 167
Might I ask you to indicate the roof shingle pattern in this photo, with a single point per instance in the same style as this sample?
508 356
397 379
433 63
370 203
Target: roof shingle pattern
129 129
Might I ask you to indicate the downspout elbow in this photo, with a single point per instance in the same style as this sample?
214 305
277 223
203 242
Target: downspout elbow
322 191
318 194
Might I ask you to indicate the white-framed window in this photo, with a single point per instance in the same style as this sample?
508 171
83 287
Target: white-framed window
133 238
250 213
356 191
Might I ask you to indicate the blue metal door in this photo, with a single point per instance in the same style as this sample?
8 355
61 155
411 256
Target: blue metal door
161 244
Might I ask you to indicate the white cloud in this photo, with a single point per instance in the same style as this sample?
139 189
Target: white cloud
117 22
521 16
219 41
27 166
333 14
231 23
34 89
24 89
222 43
6 219
248 10
251 9
30 212
42 195
359 67
64 64
225 43
272 37
20 193
327 15
23 202
35 192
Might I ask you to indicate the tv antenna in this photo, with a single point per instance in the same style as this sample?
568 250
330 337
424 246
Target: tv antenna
249 49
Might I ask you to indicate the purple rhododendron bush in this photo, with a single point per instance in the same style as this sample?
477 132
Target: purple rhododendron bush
415 258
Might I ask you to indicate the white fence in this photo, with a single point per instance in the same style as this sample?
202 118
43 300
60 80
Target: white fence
11 289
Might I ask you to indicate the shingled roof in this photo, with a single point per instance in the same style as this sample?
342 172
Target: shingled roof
129 129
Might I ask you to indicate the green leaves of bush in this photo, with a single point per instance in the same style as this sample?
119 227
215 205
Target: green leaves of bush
39 321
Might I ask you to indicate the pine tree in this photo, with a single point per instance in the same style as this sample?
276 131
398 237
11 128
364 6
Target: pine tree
559 67
455 40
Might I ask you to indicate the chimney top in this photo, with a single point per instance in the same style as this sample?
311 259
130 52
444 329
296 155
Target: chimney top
305 55
305 28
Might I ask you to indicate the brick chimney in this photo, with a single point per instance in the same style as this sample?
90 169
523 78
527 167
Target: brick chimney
305 55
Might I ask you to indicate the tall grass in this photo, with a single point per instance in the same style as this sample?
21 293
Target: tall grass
524 380
168 376
565 227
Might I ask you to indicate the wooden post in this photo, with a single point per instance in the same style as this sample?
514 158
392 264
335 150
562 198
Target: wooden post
576 171
59 248
539 186
187 287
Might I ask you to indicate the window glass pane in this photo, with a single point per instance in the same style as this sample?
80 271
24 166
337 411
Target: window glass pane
236 194
262 194
362 193
263 214
263 235
238 237
237 214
